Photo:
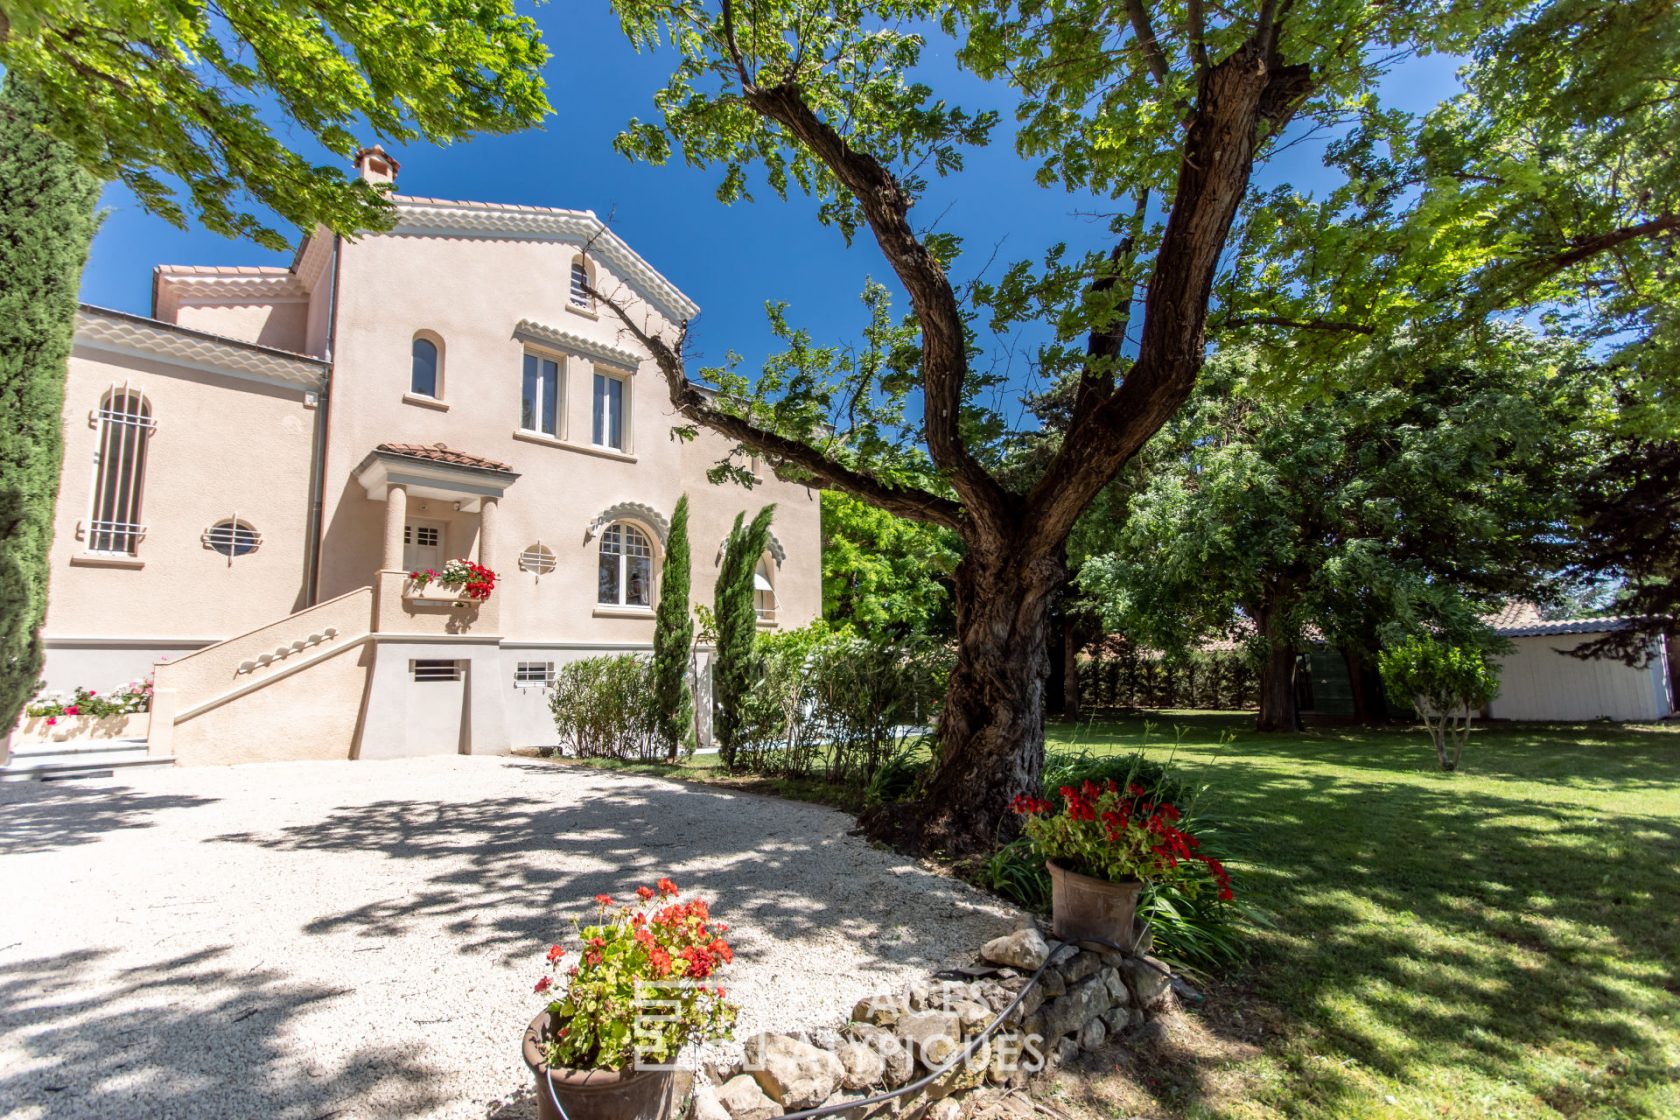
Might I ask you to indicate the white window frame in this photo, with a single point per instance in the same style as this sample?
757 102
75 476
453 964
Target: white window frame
597 396
612 536
559 362
435 670
576 297
121 446
533 674
765 609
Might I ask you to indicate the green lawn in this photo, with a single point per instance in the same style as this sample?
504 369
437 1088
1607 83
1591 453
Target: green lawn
1501 942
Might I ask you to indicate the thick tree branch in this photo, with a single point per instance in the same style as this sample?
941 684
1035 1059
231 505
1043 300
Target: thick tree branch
688 399
1582 248
886 206
1156 59
1250 88
1294 324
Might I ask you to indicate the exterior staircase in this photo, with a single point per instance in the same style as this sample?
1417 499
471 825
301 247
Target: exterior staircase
78 758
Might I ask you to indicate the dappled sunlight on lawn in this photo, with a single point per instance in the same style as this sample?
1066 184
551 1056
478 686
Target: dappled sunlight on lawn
1497 942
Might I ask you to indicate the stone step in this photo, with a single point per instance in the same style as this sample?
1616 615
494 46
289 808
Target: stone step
91 748
75 760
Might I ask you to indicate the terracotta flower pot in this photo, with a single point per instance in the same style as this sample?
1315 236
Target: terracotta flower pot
1083 908
596 1094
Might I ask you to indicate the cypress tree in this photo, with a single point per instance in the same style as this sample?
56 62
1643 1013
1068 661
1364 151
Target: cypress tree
673 641
46 227
734 663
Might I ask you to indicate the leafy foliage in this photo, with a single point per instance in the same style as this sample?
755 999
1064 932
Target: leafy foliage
660 950
1194 928
46 226
1118 675
1446 683
144 91
673 641
606 707
1418 497
883 573
735 664
842 708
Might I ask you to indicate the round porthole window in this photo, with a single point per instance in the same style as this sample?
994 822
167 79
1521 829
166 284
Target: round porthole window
232 538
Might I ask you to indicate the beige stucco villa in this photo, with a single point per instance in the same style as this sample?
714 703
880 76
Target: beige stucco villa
251 472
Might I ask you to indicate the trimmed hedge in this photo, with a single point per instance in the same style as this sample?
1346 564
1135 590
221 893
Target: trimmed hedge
1117 675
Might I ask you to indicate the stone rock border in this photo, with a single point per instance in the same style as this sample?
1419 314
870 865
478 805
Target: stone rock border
1087 995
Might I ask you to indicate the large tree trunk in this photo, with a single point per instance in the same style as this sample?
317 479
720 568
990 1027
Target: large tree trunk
991 731
1279 710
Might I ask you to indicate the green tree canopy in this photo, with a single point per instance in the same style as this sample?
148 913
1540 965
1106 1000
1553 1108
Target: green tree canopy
883 573
146 91
1422 498
1156 113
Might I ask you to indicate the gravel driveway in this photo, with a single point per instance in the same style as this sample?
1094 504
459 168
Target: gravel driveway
359 939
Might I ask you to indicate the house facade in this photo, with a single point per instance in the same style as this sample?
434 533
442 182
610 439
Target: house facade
251 472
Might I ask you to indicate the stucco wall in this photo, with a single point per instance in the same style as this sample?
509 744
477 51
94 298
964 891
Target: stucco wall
476 291
1537 682
282 325
309 714
222 447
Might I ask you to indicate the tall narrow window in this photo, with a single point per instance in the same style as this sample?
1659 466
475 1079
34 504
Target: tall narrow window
609 411
539 407
125 425
626 574
580 284
423 369
764 593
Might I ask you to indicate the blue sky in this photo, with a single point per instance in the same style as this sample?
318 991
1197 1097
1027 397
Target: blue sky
729 259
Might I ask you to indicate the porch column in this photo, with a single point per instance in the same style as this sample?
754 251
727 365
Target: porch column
487 517
396 515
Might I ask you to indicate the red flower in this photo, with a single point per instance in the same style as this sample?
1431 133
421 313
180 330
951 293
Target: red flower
667 888
555 953
543 985
603 899
73 710
644 893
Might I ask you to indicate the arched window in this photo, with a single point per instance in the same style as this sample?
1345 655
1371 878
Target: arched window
581 281
764 592
125 425
425 369
626 573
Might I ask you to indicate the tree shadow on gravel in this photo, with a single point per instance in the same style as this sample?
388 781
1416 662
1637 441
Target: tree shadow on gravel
44 816
189 1036
512 870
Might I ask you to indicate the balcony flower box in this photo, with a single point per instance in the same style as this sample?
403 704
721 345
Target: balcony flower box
462 583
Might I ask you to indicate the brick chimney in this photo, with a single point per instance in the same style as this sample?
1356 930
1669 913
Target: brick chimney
376 166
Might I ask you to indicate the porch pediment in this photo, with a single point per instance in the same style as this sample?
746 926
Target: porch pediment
433 471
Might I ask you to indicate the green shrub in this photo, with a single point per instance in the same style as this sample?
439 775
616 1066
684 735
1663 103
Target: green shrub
46 226
1117 675
830 705
673 642
605 707
1446 684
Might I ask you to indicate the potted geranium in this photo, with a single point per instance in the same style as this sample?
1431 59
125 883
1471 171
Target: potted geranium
1102 846
641 985
475 581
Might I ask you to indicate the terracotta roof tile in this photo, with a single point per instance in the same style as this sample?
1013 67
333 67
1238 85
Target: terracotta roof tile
438 453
